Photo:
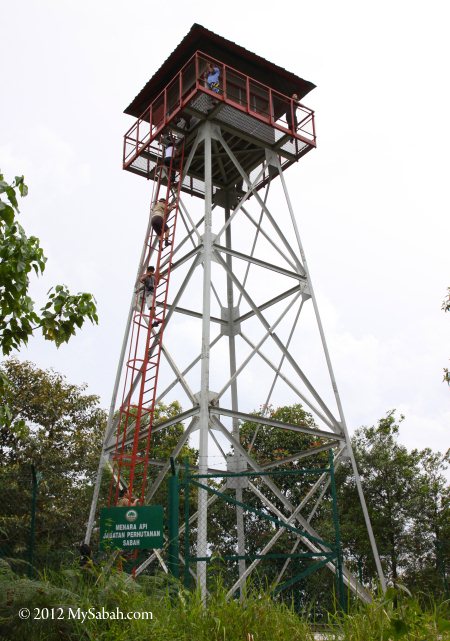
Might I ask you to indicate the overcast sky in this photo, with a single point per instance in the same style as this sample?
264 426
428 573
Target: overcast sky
371 201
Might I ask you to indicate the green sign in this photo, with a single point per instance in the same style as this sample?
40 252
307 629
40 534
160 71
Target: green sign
131 528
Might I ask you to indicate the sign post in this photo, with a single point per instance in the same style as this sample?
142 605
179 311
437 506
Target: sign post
131 528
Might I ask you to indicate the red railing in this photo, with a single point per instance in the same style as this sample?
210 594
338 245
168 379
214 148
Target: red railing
240 91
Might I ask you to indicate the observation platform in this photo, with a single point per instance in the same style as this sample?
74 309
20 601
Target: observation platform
253 117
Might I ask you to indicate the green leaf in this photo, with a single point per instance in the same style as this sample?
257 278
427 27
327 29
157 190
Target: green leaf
12 197
21 186
7 213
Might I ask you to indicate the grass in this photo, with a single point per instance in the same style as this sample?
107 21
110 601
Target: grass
178 615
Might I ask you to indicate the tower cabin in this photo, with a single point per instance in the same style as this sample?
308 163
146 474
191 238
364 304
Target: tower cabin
256 104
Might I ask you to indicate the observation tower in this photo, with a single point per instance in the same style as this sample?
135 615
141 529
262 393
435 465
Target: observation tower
232 328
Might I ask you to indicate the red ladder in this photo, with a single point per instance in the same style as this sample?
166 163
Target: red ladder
137 409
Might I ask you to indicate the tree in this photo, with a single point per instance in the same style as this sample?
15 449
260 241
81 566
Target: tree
446 308
58 428
430 530
446 301
20 255
408 503
388 473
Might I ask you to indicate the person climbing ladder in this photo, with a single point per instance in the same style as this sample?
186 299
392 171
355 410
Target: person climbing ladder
148 281
157 218
169 144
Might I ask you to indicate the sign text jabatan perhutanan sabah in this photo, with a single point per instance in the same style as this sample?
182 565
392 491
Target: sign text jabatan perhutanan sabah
131 528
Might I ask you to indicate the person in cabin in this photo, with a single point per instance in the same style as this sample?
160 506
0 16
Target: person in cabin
212 76
157 218
292 121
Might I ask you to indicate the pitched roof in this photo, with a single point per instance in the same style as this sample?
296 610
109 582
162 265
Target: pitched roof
201 39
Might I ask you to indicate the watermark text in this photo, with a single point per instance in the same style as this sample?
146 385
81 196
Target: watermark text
78 614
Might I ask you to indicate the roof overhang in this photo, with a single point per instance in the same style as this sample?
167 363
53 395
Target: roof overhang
228 52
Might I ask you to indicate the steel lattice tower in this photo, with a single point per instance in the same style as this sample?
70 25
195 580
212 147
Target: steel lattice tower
240 319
